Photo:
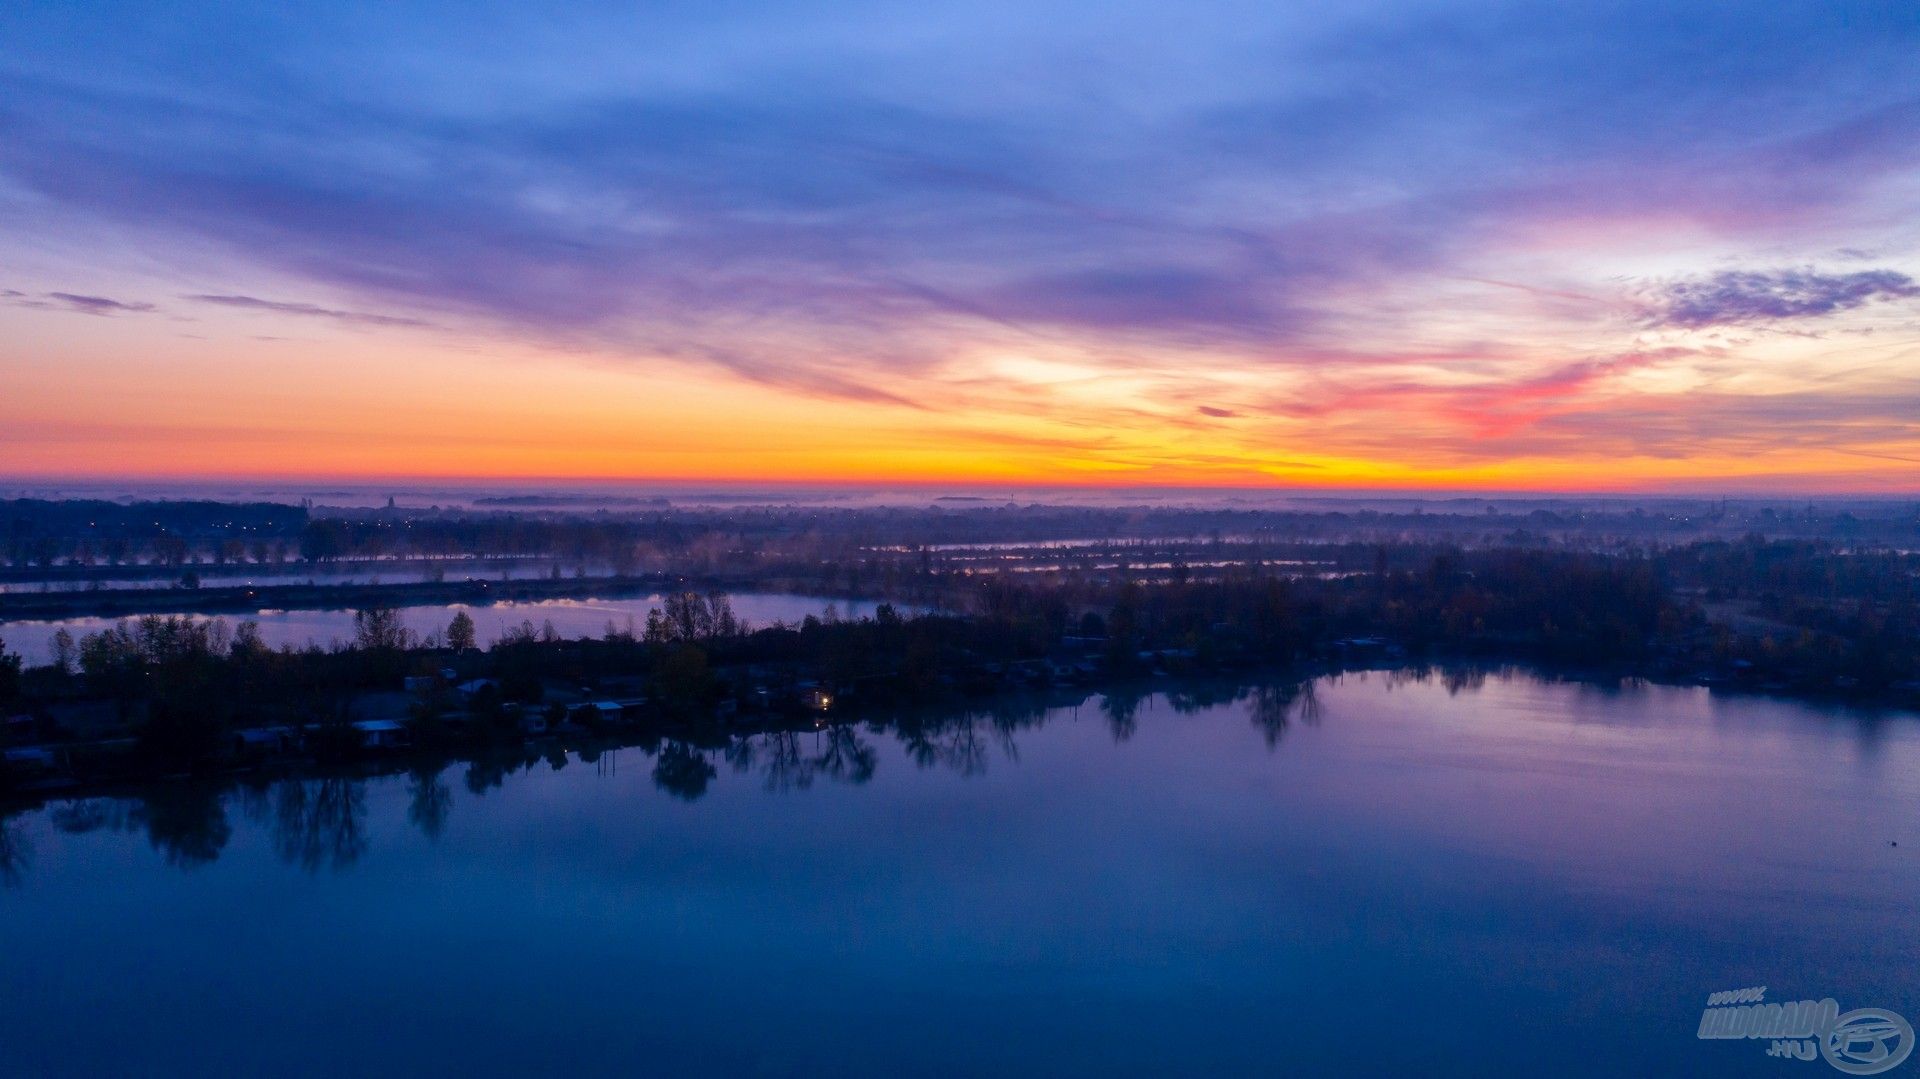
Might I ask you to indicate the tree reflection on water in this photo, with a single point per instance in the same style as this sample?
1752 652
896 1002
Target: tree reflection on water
1275 707
320 821
16 852
429 799
683 771
187 822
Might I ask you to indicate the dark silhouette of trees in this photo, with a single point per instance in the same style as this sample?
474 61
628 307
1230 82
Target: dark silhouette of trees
323 540
460 633
1804 616
379 629
690 616
9 674
685 686
66 653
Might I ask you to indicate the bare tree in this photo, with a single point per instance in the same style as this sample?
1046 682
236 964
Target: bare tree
379 629
460 632
64 651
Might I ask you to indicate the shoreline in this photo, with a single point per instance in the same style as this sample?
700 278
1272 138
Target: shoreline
653 731
131 602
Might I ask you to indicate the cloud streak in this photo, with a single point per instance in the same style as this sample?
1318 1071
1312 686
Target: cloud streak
304 310
1739 297
101 306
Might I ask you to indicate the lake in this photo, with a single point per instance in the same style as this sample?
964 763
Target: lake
1371 875
570 617
354 571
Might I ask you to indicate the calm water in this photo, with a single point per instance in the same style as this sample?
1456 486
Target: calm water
570 618
480 567
1380 877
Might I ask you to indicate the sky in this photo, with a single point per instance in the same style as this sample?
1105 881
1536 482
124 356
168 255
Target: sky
1405 245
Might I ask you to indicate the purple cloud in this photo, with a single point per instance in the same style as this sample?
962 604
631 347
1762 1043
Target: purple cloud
88 305
357 318
828 206
1734 297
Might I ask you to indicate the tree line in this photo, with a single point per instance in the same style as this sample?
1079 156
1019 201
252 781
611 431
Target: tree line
1818 619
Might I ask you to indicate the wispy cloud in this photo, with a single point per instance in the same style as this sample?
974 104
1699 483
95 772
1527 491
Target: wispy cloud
77 302
306 310
1737 297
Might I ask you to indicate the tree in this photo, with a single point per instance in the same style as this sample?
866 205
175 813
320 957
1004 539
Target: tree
112 661
687 617
460 632
64 651
684 683
322 541
721 622
247 642
9 673
378 629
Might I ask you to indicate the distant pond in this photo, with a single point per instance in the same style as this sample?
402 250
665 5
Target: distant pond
570 617
364 571
1449 874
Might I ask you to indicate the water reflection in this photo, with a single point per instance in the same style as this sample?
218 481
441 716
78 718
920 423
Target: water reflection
317 822
1274 709
429 799
571 618
683 771
1122 710
1594 857
848 757
791 760
16 851
320 822
187 822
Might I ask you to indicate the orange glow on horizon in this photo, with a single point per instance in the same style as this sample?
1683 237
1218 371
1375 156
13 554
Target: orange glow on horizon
359 407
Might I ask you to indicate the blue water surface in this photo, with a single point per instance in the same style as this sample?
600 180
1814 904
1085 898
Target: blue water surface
1372 875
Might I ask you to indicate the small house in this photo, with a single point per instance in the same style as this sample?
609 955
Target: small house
473 687
30 764
381 734
262 741
20 729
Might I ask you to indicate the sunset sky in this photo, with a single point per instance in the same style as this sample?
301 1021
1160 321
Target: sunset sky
1373 245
